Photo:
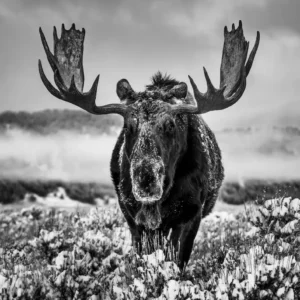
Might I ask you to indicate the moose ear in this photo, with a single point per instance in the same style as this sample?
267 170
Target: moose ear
124 89
180 90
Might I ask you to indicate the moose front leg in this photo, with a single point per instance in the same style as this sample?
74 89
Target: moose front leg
187 241
183 239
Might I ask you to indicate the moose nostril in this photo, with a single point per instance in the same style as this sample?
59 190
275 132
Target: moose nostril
161 170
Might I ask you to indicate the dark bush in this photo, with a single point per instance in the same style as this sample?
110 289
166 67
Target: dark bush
54 120
258 190
15 190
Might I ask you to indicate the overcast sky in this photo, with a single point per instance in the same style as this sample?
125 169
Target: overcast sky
133 39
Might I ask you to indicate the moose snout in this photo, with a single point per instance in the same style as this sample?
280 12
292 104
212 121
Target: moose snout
147 181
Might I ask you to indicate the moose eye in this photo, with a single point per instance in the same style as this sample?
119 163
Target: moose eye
169 127
130 127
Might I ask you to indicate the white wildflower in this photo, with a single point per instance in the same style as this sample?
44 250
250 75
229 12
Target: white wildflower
264 211
61 260
60 278
287 262
20 292
257 216
118 293
280 292
287 282
295 279
139 287
263 293
286 201
185 287
237 291
34 242
290 295
171 290
155 258
285 247
294 205
270 238
269 259
296 269
252 232
3 282
290 226
270 204
279 211
221 291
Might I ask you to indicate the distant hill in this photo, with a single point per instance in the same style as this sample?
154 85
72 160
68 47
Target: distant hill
51 121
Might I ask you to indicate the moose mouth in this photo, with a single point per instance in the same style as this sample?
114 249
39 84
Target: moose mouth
149 216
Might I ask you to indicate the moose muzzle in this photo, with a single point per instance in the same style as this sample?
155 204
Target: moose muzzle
147 177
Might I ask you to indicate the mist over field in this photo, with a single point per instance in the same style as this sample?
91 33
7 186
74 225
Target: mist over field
64 155
263 153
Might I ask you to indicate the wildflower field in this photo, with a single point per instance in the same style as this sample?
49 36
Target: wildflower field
54 254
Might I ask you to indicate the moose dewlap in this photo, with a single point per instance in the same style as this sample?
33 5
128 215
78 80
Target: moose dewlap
166 165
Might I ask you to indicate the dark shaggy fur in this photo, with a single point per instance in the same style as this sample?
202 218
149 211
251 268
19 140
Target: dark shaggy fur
197 178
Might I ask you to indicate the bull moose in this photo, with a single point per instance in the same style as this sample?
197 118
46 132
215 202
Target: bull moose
166 165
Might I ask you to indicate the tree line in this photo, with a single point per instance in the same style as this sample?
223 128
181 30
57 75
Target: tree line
54 120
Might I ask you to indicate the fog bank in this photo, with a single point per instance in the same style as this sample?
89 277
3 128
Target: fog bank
261 154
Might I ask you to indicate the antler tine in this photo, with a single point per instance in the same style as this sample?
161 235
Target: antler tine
68 73
210 86
48 84
55 37
252 54
50 57
234 71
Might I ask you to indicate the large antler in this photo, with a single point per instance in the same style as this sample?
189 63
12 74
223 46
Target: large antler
66 64
234 71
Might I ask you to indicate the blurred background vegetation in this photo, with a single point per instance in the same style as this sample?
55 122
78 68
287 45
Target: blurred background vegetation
54 120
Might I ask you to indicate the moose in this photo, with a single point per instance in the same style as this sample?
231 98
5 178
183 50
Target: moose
166 165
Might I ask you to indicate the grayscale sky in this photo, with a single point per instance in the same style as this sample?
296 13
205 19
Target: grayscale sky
133 39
